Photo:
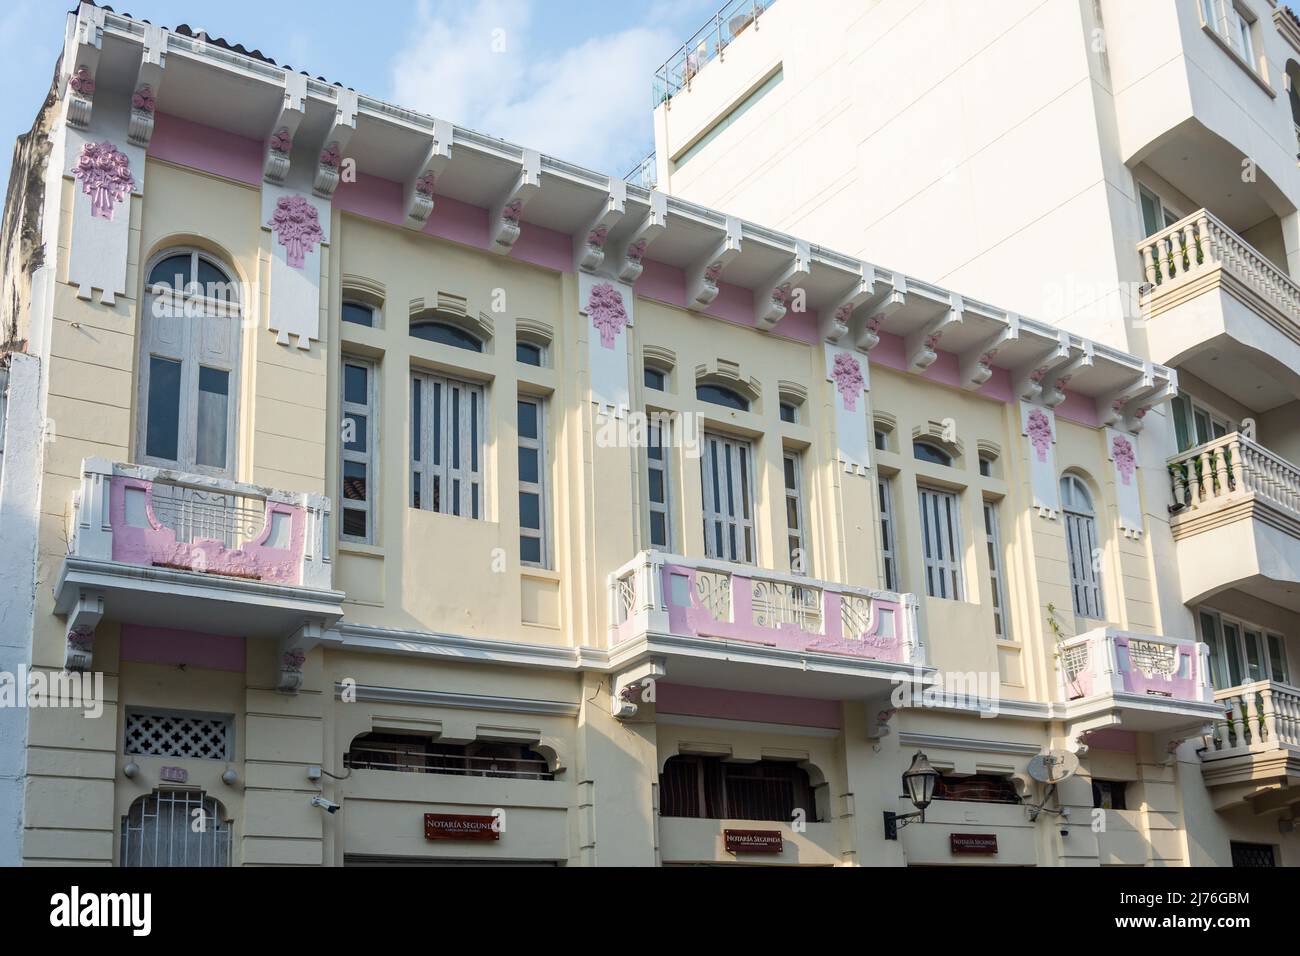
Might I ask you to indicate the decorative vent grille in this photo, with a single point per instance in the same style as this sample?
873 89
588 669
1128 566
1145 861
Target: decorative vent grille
1153 659
1075 660
162 734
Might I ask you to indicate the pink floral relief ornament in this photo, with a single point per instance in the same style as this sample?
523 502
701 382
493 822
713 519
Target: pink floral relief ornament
82 82
597 237
105 175
1125 459
424 185
847 375
143 100
298 227
1039 430
330 156
605 306
281 141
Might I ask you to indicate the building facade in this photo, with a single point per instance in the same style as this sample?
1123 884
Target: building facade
419 498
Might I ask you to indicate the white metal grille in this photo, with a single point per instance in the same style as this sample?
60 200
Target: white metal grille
160 734
713 590
776 603
855 617
175 828
197 515
1074 660
1153 658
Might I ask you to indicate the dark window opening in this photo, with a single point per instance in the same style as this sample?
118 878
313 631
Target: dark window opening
714 789
656 379
1109 795
978 788
412 753
358 314
789 413
924 451
432 330
1253 854
718 395
528 354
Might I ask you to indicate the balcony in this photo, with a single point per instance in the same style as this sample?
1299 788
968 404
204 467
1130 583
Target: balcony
190 552
708 43
733 626
1236 521
1254 749
1138 681
1217 307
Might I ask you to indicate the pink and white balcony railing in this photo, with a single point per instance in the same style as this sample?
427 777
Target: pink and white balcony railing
1232 467
1198 243
1262 715
1107 661
153 517
687 597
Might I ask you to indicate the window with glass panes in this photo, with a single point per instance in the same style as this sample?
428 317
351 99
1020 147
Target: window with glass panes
1241 652
997 572
447 445
532 483
657 491
941 543
357 441
888 546
792 464
727 482
1083 547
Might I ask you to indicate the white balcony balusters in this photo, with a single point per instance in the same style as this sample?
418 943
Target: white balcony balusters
1265 714
1232 467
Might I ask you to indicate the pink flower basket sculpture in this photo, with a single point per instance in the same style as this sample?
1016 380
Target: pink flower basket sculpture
847 375
605 306
105 175
143 100
298 227
1039 430
1125 459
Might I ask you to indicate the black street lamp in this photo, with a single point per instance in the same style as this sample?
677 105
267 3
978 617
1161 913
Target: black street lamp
919 780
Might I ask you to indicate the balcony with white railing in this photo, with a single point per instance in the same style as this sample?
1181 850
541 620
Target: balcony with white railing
1108 677
1254 745
1236 519
1215 304
195 553
737 626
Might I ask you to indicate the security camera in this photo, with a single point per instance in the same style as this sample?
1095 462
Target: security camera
1065 832
329 806
1065 813
622 709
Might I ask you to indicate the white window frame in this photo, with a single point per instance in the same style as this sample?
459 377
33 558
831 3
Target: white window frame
437 459
1082 541
193 348
794 498
366 458
538 487
888 534
997 571
941 542
1222 656
1168 215
730 512
657 424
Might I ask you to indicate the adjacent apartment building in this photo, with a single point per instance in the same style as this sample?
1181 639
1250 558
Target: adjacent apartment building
419 498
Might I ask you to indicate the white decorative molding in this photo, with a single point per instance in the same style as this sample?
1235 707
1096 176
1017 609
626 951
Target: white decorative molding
296 251
330 161
144 96
1122 451
81 51
877 310
86 613
506 214
922 346
608 306
976 365
589 244
106 172
291 655
703 276
418 190
280 137
1038 425
650 228
772 299
835 320
849 376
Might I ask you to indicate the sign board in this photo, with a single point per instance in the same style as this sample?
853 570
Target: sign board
460 826
173 774
973 842
752 841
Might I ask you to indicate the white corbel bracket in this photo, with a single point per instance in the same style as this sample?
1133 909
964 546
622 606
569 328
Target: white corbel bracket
330 161
629 688
83 618
148 80
419 187
878 308
651 227
279 141
589 243
291 654
506 213
1136 408
773 300
976 365
1027 382
81 48
835 321
1054 385
1110 406
922 346
702 278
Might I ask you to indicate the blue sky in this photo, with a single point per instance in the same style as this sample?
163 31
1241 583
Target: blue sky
573 79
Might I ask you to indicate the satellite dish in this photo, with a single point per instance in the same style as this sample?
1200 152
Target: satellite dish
1053 767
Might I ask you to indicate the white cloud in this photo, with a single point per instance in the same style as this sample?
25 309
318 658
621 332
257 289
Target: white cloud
590 104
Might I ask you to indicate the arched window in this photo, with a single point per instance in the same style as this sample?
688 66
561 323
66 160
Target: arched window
1084 547
718 395
175 828
713 789
436 330
189 351
928 451
419 753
